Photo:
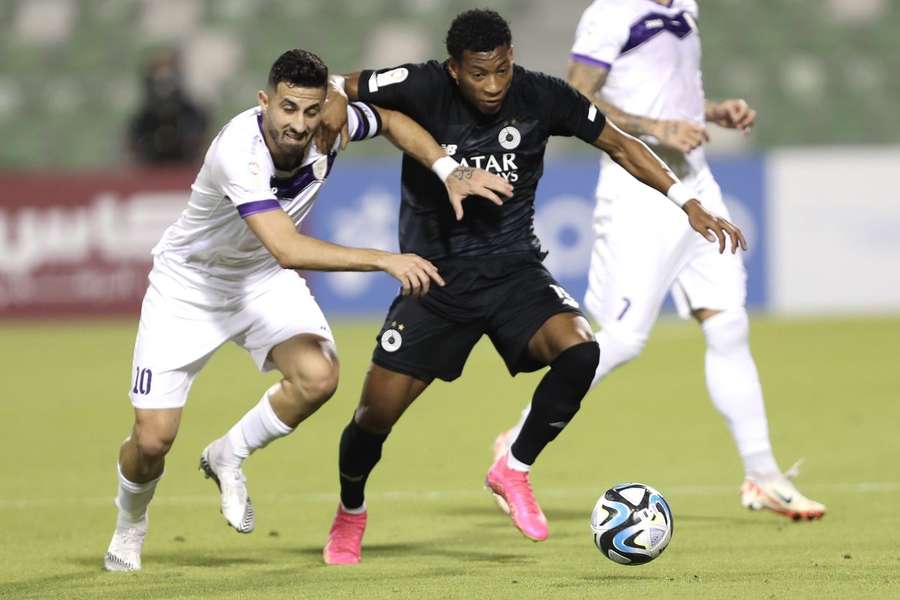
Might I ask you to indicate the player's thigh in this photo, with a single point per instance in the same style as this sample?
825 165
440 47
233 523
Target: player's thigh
637 253
527 302
710 280
386 396
417 341
278 310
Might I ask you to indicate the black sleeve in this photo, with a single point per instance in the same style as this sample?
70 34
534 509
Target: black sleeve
568 112
407 88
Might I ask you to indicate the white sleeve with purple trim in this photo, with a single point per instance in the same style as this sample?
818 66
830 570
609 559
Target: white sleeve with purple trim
363 121
243 172
600 35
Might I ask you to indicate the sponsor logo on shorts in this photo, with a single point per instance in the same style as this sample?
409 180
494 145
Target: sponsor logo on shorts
391 340
509 137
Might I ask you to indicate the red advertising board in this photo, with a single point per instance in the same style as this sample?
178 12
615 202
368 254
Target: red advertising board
79 244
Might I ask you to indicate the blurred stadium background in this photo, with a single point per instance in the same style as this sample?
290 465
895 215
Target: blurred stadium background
78 214
812 186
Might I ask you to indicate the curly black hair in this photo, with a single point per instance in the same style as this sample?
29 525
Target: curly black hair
477 30
299 68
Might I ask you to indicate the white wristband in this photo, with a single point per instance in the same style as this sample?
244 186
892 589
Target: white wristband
679 194
443 166
337 82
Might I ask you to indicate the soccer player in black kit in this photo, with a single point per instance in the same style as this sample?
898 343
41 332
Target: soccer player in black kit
491 114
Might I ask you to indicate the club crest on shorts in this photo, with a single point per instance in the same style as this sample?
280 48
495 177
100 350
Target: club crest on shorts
509 137
391 340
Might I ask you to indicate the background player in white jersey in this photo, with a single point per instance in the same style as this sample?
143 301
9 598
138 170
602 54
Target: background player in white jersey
639 61
224 271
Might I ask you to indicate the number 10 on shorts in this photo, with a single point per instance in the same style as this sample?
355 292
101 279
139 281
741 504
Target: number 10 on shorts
143 379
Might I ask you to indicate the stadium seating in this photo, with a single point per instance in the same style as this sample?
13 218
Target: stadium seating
819 72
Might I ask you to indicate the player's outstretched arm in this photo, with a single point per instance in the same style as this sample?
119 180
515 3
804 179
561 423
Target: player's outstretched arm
674 133
636 158
460 181
293 250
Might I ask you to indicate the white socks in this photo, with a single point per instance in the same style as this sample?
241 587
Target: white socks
515 464
132 500
615 350
256 429
354 511
735 390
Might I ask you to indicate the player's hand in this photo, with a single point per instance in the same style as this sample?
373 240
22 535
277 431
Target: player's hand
733 113
683 136
712 227
333 123
469 181
413 272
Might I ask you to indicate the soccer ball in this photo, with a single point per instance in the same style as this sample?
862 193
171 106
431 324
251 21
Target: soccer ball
632 524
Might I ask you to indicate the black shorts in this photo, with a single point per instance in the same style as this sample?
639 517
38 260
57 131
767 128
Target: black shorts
507 297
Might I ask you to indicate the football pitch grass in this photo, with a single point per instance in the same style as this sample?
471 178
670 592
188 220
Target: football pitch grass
832 389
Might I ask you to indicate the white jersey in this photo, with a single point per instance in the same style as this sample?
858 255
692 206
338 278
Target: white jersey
652 53
210 244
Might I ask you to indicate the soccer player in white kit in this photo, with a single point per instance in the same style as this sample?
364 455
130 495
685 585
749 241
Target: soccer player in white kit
639 61
225 271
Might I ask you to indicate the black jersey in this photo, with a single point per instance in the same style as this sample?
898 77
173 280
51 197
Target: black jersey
510 143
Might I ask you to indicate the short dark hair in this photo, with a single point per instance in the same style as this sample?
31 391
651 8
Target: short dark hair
299 68
477 30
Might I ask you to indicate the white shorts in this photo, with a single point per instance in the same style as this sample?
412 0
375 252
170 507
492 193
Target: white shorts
182 325
645 247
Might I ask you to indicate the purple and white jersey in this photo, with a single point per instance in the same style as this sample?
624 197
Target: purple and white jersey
238 179
652 53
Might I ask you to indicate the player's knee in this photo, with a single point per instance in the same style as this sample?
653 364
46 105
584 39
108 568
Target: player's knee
619 345
152 443
727 330
375 419
313 381
578 363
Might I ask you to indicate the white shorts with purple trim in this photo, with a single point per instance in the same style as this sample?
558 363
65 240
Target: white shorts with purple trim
182 325
645 248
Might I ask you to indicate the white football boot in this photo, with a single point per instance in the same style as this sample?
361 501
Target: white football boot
779 495
124 552
236 505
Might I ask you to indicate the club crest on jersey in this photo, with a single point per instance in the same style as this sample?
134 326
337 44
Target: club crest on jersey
509 137
320 168
253 167
391 340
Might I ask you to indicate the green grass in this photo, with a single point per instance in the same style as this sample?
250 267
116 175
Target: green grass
832 394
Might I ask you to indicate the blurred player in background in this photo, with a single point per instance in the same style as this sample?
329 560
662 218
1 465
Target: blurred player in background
639 61
225 271
488 113
169 127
